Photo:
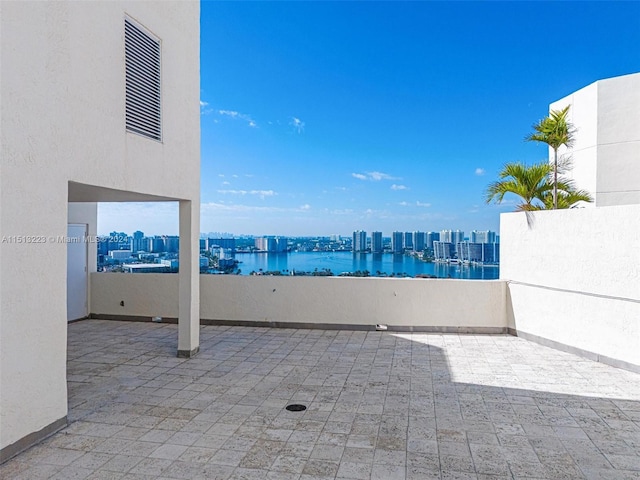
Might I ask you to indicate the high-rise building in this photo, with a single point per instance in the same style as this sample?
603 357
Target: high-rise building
359 241
137 242
271 244
431 237
453 237
482 236
171 243
156 244
376 242
443 250
418 241
479 252
226 243
397 242
408 241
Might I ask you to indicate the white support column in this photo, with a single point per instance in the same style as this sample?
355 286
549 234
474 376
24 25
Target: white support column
189 296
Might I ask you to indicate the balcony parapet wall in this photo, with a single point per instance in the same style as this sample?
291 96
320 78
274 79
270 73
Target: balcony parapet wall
573 280
456 306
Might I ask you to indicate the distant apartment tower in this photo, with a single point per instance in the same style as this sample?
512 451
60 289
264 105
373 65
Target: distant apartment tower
452 236
226 243
171 243
482 236
271 244
359 241
408 241
443 250
138 243
376 242
418 241
397 242
156 244
479 252
431 237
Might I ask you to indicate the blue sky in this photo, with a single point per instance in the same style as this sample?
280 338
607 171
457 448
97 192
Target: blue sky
328 117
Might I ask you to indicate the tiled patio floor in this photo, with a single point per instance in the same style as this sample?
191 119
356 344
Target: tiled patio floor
380 405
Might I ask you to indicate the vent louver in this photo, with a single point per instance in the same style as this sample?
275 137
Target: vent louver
142 60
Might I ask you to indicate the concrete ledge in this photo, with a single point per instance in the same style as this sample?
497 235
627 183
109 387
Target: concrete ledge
30 440
129 318
360 327
580 352
321 326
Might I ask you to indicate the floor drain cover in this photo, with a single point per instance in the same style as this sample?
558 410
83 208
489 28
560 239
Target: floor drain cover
296 407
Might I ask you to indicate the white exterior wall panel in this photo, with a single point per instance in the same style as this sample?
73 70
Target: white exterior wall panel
606 152
62 93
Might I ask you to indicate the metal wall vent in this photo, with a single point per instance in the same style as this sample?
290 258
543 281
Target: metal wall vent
142 60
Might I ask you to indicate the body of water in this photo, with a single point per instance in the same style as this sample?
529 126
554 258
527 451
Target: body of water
341 262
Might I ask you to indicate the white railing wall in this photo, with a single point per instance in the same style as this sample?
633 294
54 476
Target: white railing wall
574 280
439 305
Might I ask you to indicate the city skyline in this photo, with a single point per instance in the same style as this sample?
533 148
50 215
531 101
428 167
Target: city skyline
333 117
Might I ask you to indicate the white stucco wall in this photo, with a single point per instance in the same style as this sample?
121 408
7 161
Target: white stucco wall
606 153
335 300
62 93
574 277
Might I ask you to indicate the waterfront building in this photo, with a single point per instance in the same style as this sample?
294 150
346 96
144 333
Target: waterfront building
443 251
376 242
271 244
226 243
453 237
397 242
418 241
359 241
408 241
482 236
431 237
485 253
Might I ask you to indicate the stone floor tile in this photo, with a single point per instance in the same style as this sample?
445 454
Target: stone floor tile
400 405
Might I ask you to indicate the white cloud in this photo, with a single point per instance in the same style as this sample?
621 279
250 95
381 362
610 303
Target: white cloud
306 206
222 207
239 116
421 204
377 176
226 183
404 204
480 171
203 108
297 124
399 187
260 193
374 176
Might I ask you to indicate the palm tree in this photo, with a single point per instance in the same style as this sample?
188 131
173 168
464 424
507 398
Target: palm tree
568 197
555 131
530 183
